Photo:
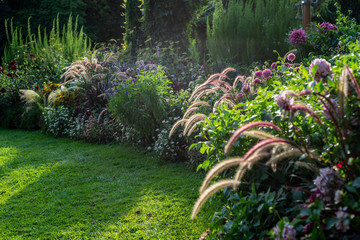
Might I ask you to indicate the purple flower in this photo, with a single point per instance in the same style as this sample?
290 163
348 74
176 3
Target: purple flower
323 69
239 96
273 65
327 183
297 37
258 74
289 233
291 57
326 27
266 73
257 81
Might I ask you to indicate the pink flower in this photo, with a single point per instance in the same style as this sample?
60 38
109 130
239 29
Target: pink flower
257 81
239 96
291 57
326 26
266 73
273 65
323 69
284 102
297 37
258 74
289 233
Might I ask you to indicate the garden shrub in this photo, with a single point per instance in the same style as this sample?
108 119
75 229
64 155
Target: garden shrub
57 121
139 102
244 32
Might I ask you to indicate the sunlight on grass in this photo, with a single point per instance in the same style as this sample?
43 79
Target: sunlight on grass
157 215
62 189
16 180
6 154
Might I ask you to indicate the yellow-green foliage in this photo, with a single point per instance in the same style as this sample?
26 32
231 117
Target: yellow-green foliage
68 98
48 88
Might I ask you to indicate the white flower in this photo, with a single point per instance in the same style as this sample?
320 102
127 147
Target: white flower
342 225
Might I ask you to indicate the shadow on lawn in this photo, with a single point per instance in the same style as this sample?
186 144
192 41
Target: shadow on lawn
69 189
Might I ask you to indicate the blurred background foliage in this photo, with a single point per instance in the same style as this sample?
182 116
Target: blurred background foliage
145 23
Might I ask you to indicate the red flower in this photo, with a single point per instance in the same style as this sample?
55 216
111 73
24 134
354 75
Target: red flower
12 63
37 88
2 69
3 90
13 67
339 165
10 74
32 55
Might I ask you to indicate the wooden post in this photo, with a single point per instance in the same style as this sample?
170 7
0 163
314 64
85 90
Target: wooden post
306 14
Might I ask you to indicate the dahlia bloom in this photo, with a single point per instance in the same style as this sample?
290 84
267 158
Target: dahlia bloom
266 73
273 65
297 37
258 74
291 57
326 26
323 69
257 81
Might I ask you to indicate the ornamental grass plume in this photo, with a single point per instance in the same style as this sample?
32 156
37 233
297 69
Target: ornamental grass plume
297 37
246 127
209 191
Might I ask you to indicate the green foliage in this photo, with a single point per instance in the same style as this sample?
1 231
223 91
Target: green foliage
251 31
57 120
133 34
247 215
68 43
139 103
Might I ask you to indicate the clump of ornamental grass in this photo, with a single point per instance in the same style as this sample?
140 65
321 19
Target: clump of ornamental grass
272 149
227 94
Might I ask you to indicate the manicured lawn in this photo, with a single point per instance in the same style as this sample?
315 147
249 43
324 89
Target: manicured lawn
54 188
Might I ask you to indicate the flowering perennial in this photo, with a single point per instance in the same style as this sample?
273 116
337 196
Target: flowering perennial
297 37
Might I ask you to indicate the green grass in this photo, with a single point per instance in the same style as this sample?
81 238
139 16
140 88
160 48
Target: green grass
54 188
